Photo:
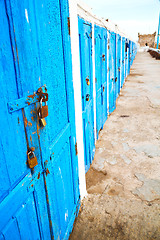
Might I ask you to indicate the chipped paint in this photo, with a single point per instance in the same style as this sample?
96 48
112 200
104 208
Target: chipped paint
31 139
47 172
25 121
66 215
29 124
26 14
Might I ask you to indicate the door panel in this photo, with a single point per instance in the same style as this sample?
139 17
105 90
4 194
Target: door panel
101 76
118 63
112 72
104 74
123 62
24 211
98 76
85 44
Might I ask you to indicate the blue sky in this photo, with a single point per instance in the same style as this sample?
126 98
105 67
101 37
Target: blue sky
131 15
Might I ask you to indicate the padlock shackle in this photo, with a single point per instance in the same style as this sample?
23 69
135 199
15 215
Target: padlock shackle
30 152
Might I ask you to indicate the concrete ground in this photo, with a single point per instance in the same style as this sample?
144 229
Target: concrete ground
123 183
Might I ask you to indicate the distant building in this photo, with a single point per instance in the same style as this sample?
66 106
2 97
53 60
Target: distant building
146 39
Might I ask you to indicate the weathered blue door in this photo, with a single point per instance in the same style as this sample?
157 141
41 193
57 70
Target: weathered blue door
118 63
101 76
112 72
104 74
85 46
34 52
126 58
123 62
129 56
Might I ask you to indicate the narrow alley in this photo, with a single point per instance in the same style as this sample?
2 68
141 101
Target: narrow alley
123 182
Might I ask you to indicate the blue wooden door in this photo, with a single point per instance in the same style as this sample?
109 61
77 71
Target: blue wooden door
118 63
129 56
126 58
112 72
101 76
40 203
85 46
104 76
123 62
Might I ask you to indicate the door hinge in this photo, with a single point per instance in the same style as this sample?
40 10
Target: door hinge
68 22
76 148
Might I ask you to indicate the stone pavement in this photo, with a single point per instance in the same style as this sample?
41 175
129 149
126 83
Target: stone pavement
123 183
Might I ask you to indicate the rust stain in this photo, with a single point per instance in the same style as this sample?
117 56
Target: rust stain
31 139
29 124
47 172
39 90
33 132
38 176
32 96
32 185
32 119
17 51
76 149
32 111
68 22
32 149
25 121
46 190
50 222
46 162
38 130
18 121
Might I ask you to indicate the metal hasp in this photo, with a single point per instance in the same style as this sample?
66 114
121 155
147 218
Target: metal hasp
24 102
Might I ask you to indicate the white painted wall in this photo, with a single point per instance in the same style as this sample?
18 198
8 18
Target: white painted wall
77 93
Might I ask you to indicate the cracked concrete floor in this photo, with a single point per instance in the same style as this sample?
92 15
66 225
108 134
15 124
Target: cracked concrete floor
123 183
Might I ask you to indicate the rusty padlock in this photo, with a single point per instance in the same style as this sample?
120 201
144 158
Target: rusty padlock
32 160
43 111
